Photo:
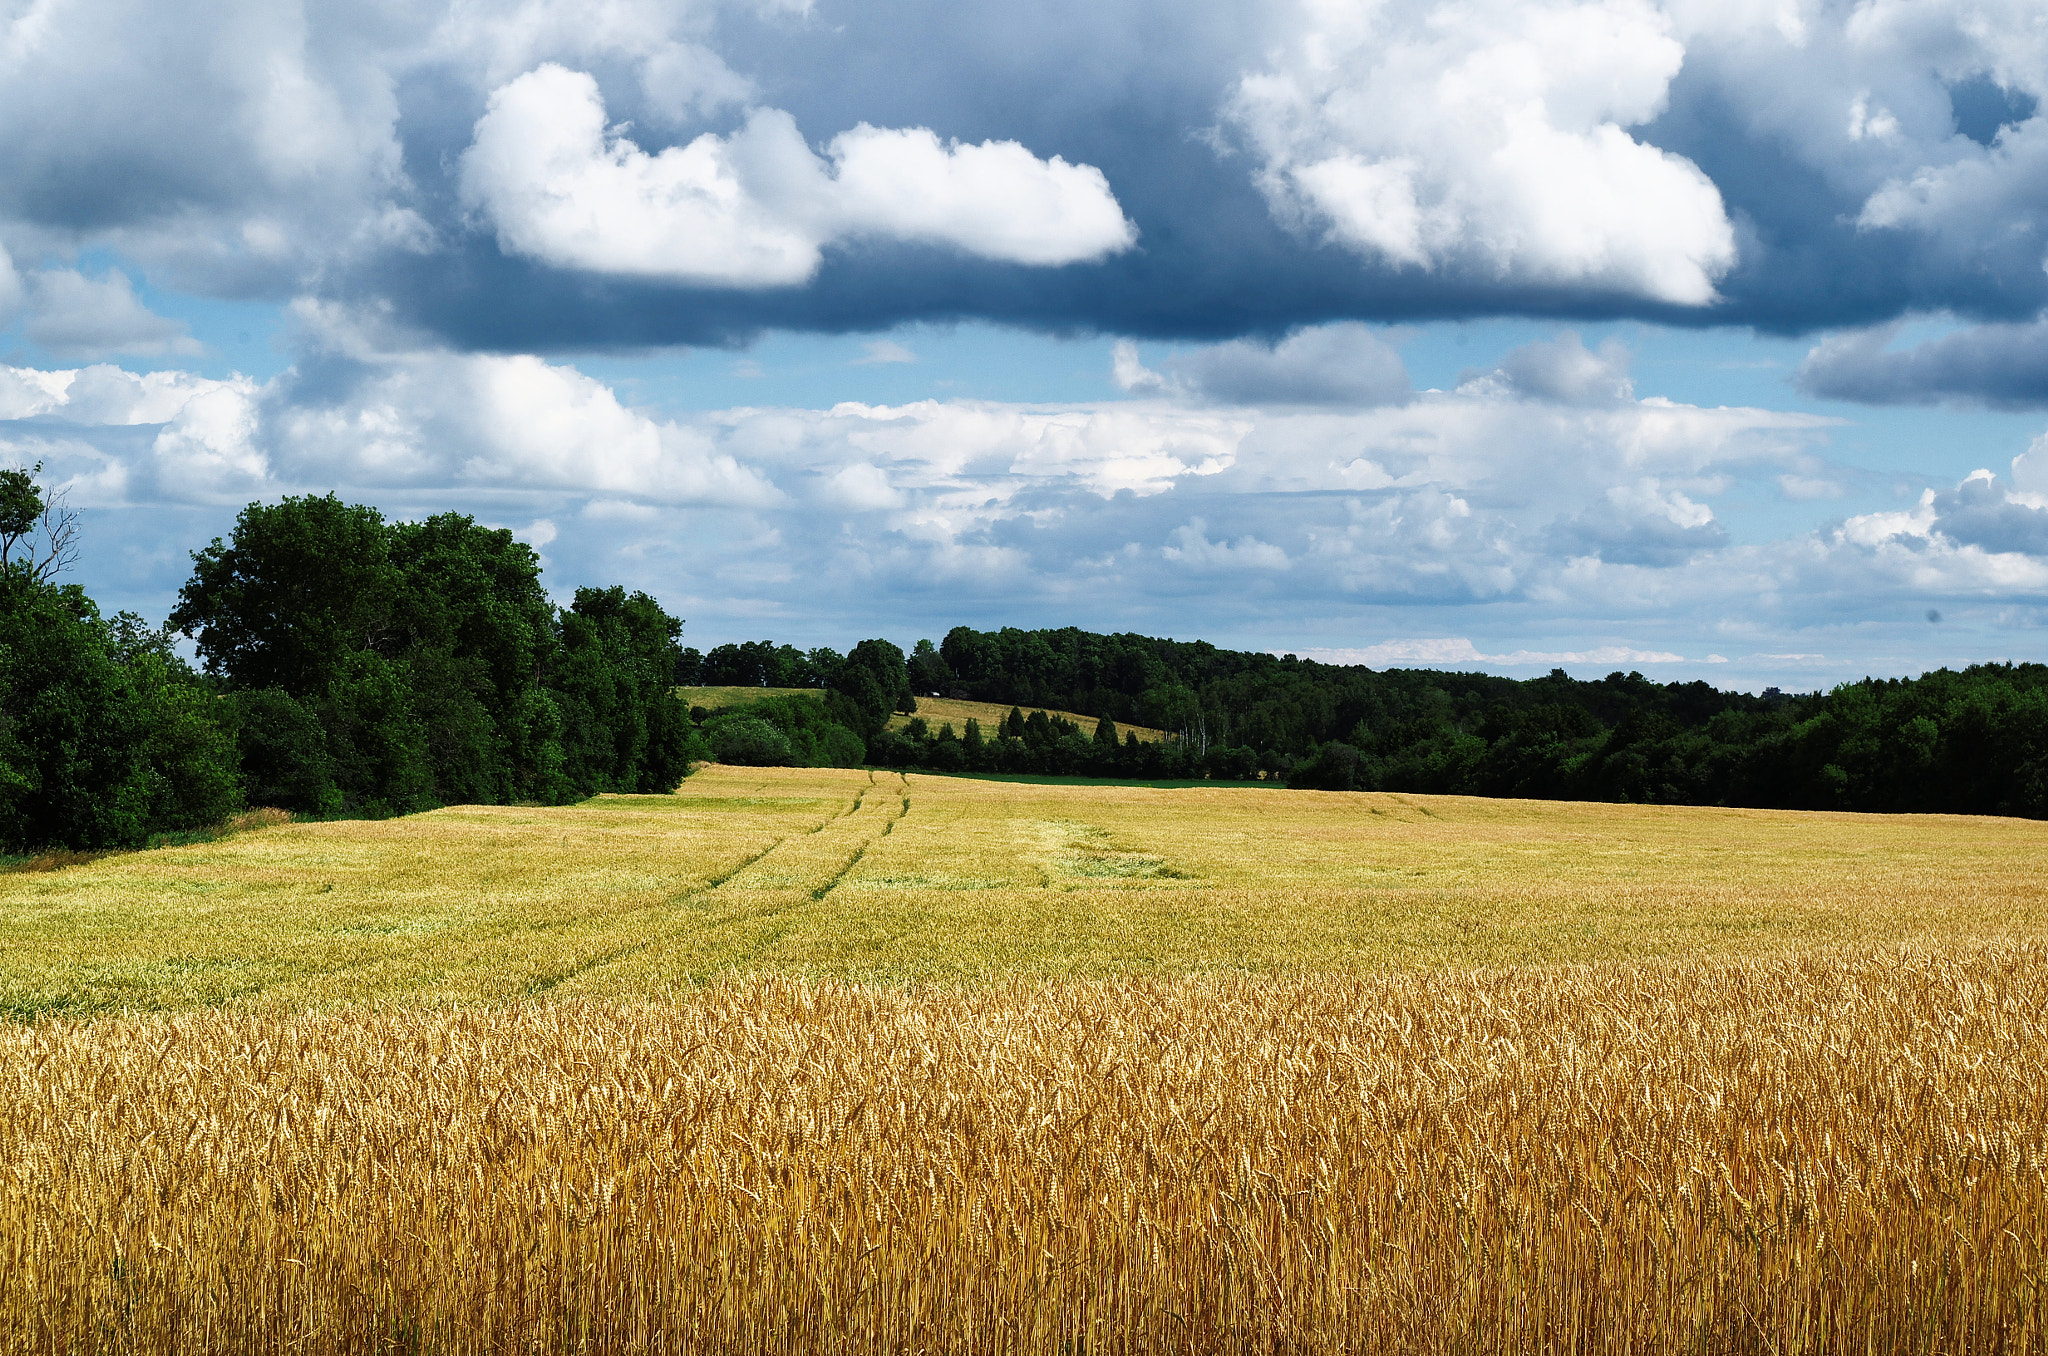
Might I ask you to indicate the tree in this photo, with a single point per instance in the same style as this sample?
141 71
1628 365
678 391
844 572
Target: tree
106 736
300 584
38 530
1105 733
929 672
623 726
72 769
873 680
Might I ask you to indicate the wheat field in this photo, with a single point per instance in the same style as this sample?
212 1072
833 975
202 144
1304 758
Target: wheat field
815 1061
882 878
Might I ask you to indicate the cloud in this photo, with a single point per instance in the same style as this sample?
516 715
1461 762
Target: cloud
74 316
1340 364
12 294
2004 366
1280 166
1640 524
1452 652
1487 137
883 351
1564 534
1561 370
1983 513
1189 545
757 208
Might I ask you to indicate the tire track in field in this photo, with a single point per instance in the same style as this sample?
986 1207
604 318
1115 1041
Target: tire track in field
791 873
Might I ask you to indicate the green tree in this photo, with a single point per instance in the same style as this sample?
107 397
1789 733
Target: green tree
300 584
72 767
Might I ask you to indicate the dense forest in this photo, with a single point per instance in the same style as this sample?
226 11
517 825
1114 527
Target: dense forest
353 666
1973 742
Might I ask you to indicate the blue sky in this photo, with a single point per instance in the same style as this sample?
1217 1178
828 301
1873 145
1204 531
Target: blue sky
1700 338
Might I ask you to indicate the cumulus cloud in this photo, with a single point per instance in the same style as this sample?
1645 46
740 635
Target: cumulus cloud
1339 364
1488 137
1983 513
1189 545
756 209
1642 524
2005 366
1562 370
1605 520
74 316
1799 166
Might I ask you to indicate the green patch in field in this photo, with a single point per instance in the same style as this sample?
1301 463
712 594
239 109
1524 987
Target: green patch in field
156 985
927 882
726 802
1084 851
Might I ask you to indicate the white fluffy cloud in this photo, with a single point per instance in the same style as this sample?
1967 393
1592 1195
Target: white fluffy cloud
756 208
1489 136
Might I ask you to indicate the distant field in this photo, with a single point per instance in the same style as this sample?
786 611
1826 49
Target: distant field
813 1060
878 876
936 711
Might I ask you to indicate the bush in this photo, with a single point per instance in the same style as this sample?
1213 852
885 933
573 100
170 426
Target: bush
749 742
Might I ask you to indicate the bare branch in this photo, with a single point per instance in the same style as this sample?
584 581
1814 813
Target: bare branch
61 527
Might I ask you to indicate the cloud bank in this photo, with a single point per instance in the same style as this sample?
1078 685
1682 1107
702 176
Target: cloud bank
524 175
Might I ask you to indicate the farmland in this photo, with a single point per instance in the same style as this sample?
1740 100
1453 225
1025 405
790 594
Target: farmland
806 1059
935 711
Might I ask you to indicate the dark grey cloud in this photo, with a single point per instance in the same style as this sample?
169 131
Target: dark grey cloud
1980 512
2004 366
1764 171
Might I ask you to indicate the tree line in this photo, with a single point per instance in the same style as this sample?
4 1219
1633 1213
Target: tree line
349 666
1972 742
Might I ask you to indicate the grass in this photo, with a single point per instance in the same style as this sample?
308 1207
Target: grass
808 1060
935 711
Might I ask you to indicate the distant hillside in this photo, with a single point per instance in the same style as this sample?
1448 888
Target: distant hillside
934 711
1970 742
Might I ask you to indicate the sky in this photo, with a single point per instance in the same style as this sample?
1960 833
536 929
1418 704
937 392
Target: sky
1704 338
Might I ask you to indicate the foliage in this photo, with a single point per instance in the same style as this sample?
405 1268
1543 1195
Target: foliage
381 668
106 736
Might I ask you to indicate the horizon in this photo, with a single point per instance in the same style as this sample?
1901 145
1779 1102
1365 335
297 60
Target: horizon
1499 335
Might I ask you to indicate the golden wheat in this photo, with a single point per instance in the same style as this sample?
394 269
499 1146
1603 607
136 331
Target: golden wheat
1820 1154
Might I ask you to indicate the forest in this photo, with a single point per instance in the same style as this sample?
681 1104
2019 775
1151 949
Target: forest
350 666
1971 742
